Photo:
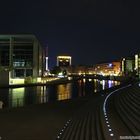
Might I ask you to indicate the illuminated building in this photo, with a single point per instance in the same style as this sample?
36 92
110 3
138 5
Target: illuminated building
20 56
63 61
112 68
104 69
137 64
127 65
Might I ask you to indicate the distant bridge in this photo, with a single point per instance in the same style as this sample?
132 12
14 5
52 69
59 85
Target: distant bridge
100 77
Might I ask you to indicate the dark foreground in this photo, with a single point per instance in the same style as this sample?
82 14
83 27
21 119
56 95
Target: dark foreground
79 119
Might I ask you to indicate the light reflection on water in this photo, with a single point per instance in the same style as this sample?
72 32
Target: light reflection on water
18 97
64 91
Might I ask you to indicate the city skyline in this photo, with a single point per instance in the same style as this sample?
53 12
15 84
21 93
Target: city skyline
89 31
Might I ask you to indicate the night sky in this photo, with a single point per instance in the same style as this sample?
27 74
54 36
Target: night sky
90 31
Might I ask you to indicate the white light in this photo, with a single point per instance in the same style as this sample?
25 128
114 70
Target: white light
111 134
107 122
46 63
58 137
110 130
108 125
64 57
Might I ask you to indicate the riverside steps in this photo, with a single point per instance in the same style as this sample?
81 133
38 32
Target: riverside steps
123 112
105 115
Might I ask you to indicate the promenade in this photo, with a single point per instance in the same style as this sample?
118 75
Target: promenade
37 122
103 116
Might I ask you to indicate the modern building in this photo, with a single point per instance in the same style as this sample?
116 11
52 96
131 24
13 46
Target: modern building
21 56
137 64
127 65
64 61
106 69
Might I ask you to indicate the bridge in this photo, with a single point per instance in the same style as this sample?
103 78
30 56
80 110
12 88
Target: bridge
100 77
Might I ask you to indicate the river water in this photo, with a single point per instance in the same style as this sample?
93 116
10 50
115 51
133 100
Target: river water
18 97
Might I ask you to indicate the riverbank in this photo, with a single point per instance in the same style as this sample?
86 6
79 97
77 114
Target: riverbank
42 121
37 122
58 81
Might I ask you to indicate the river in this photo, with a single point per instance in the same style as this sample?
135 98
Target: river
18 97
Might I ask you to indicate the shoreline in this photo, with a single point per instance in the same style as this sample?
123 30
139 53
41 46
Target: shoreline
58 81
42 121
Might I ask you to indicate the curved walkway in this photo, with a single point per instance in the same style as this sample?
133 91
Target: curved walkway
84 118
85 123
107 117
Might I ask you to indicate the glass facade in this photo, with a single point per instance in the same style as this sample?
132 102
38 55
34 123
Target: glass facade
63 61
22 54
22 57
4 52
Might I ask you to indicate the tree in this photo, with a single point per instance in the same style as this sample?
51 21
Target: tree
55 70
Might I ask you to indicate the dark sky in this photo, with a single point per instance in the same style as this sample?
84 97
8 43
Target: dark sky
89 30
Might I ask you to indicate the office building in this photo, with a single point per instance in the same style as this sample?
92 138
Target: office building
137 64
106 69
127 65
64 61
21 56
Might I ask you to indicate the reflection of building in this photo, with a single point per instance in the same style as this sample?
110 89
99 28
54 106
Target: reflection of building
21 55
63 61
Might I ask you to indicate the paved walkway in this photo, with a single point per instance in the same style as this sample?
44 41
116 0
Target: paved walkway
92 123
37 122
79 119
85 124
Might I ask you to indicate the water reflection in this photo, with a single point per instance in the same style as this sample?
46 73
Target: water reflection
64 91
18 97
42 96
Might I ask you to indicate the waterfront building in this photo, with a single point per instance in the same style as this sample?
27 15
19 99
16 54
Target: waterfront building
127 65
64 61
81 70
109 68
21 56
137 64
105 69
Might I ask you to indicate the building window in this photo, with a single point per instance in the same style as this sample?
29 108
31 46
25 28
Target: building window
19 64
29 72
19 73
4 55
